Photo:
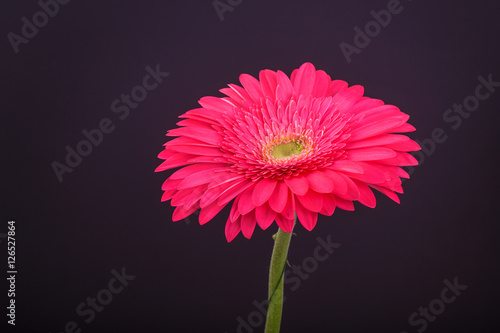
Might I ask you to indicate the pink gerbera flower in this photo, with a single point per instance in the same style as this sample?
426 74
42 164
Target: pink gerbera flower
279 146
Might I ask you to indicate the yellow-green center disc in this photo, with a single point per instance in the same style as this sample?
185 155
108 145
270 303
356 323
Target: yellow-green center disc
284 150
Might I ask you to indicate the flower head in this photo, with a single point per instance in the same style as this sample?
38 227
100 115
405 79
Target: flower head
279 146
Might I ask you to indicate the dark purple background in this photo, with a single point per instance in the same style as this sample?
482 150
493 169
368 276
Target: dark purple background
107 214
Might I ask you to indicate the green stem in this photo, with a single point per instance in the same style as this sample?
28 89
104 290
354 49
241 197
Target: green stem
276 278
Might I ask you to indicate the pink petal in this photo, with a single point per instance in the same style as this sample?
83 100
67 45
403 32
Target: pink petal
248 224
371 173
202 114
246 205
182 212
214 192
407 145
370 154
185 141
268 83
297 184
379 140
232 191
237 94
365 104
252 86
285 90
344 204
234 213
293 75
289 210
194 168
216 104
352 192
278 199
346 165
167 195
397 171
396 188
404 128
166 154
304 80
190 122
401 159
233 229
307 218
198 150
320 181
335 86
235 98
199 133
246 98
328 204
312 201
264 215
376 128
208 212
366 196
285 224
376 114
204 177
339 184
263 190
175 161
170 184
224 179
195 196
387 192
347 97
321 84
203 159
179 198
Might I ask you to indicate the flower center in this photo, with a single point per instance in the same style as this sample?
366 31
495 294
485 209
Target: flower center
288 149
